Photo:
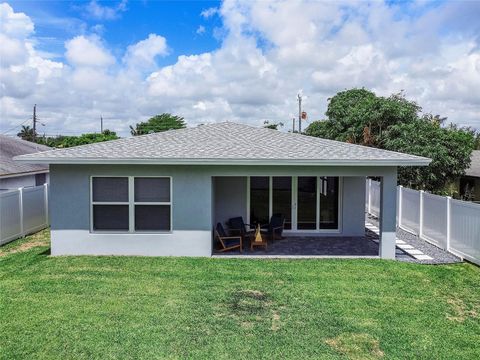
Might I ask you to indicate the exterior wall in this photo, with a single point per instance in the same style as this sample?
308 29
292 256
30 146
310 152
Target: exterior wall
353 206
70 213
17 181
230 194
192 210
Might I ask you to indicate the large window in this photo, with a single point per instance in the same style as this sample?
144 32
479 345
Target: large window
131 204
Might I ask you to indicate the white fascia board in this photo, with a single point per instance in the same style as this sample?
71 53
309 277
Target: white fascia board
268 162
27 173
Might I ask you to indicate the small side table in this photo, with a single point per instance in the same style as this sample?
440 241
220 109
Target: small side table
258 240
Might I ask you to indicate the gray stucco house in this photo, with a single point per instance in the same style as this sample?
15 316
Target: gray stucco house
162 193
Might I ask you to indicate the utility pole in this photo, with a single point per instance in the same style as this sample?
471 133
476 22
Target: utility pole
101 124
34 122
299 98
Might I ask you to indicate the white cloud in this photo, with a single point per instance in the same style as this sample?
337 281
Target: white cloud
207 13
142 54
14 24
83 51
200 30
100 12
268 51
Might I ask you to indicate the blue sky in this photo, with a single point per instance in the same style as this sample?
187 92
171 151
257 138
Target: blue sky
178 21
233 60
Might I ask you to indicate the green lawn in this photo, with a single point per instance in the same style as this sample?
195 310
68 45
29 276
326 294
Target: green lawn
135 307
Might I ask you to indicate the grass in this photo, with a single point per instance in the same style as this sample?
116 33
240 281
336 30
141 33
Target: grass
137 307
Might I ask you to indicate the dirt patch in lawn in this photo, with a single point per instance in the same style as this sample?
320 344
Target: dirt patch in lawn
251 307
36 240
356 346
459 311
250 302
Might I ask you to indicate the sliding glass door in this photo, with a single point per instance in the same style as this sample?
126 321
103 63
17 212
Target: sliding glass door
328 190
307 202
282 198
259 200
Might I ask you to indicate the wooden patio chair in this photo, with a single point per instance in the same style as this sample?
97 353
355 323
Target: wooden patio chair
276 226
227 242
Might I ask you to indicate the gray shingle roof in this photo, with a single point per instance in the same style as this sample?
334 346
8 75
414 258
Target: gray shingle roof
226 143
474 169
11 147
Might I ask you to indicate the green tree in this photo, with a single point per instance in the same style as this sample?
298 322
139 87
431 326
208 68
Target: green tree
69 141
27 133
449 148
477 141
158 123
359 116
273 126
394 123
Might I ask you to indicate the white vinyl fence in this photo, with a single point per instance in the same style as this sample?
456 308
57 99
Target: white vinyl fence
452 225
22 212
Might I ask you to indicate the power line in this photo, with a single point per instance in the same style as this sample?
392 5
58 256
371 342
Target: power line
15 127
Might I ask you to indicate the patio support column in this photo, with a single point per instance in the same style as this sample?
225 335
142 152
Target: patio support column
388 210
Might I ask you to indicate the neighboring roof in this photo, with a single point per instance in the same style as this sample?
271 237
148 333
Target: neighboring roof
474 169
225 144
11 147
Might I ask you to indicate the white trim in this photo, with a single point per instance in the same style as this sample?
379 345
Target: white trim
270 197
317 208
294 202
293 257
22 174
131 205
20 207
223 161
248 200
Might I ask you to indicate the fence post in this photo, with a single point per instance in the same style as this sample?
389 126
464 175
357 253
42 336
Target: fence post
369 208
45 194
20 207
420 225
449 221
400 196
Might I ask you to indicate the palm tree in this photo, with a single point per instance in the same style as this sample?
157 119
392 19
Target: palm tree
27 133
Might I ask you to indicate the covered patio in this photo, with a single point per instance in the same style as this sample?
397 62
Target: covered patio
323 212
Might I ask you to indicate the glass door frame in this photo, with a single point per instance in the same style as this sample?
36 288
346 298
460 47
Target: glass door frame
294 203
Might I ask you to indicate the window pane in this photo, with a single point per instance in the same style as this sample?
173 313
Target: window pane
152 217
110 189
259 194
282 198
152 189
110 217
40 179
329 203
307 203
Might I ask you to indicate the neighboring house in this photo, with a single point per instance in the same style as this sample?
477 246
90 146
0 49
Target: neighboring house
469 185
14 174
162 193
